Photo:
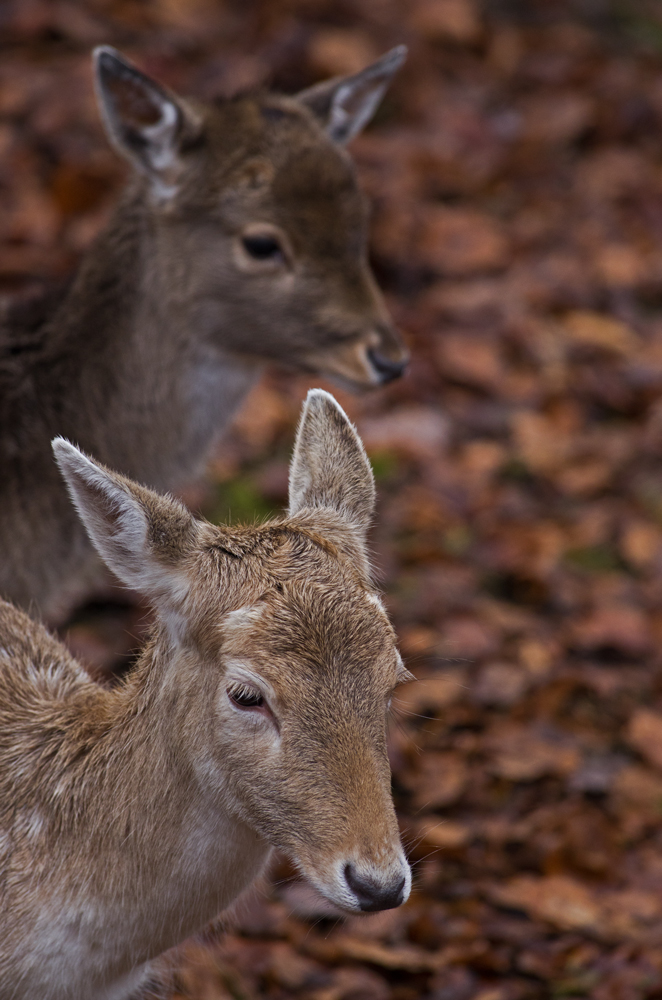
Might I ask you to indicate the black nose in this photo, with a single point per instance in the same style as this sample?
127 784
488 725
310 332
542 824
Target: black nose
372 896
387 369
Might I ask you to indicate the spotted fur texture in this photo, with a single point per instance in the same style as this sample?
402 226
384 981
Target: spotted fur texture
241 239
130 817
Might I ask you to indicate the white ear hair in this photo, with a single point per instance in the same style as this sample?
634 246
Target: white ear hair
330 467
144 121
347 104
140 535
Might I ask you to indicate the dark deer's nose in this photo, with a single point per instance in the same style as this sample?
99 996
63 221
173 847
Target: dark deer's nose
371 895
387 369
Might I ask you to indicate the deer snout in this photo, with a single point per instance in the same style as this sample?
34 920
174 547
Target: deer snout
385 368
365 884
373 893
387 355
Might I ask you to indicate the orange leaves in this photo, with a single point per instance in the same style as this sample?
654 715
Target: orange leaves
520 753
469 359
431 694
438 780
460 241
614 624
414 430
436 20
644 733
515 182
596 330
568 904
558 899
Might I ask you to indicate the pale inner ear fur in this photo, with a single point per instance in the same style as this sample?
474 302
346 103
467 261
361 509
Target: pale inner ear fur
143 120
330 467
347 104
122 520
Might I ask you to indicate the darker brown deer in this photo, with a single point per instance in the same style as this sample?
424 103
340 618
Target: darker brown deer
254 718
240 240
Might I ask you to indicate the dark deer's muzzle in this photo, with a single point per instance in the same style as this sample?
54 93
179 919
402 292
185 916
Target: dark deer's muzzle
385 368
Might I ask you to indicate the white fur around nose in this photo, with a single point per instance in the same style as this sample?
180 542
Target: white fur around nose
334 885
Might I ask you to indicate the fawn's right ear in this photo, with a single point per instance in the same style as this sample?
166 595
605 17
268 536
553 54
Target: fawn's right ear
143 537
145 122
330 467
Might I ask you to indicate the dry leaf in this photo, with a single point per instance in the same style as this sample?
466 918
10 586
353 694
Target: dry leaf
596 330
644 733
437 19
431 694
460 241
417 431
520 753
558 899
438 780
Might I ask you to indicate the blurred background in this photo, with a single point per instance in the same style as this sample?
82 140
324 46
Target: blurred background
515 174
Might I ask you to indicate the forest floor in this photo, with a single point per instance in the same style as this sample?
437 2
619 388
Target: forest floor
515 172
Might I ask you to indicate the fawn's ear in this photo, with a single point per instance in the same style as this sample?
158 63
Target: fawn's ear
330 467
143 537
346 104
145 122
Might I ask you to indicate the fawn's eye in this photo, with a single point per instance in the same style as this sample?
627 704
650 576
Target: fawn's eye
263 247
245 696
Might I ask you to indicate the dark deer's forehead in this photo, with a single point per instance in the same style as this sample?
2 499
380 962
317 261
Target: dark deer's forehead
272 149
316 196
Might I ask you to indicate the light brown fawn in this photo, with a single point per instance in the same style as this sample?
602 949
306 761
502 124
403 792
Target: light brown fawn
241 239
255 717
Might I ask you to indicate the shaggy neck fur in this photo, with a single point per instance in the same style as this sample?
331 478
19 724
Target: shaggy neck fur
136 754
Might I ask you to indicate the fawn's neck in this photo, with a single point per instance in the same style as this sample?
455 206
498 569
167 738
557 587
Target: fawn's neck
150 849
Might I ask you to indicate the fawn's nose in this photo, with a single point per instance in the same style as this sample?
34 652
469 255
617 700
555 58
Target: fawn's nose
385 368
372 895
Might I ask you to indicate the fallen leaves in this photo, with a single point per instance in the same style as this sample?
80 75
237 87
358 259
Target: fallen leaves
437 780
460 241
522 753
558 899
644 733
431 694
596 330
516 192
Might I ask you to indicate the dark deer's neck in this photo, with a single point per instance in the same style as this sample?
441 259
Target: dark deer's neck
119 368
151 394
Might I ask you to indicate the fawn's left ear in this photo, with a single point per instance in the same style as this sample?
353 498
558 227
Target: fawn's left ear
346 104
330 467
143 537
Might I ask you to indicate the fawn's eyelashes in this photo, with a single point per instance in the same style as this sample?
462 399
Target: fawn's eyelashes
244 696
249 699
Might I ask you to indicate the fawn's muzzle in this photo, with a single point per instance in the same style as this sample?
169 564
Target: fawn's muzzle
372 895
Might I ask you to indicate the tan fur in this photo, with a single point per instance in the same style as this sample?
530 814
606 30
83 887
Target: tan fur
170 319
130 817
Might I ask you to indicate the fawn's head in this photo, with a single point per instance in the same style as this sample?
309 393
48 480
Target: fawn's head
254 201
281 647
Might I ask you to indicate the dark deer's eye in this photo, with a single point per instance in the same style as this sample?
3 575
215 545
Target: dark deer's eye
263 247
244 696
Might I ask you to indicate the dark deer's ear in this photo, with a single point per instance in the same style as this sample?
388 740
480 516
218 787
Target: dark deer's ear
330 467
346 104
145 122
